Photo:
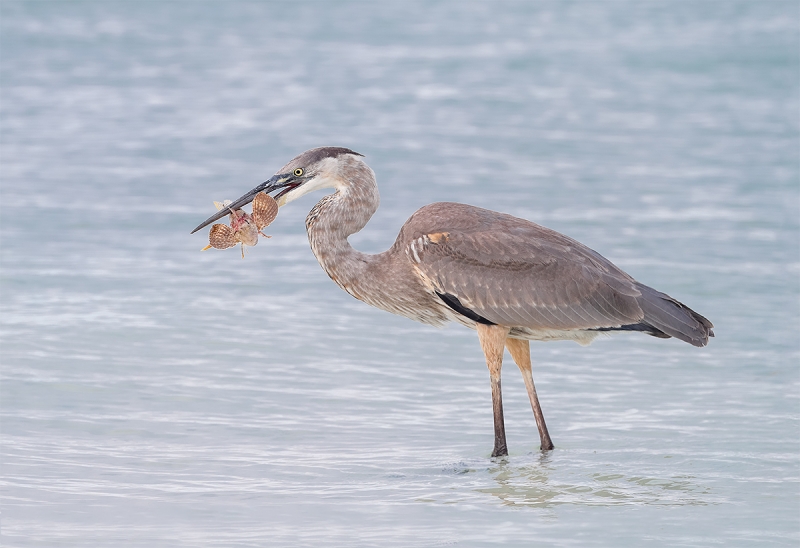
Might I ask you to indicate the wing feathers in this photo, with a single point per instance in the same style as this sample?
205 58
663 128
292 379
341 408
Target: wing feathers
513 272
674 318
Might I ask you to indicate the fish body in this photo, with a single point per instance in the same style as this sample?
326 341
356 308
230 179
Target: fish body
244 227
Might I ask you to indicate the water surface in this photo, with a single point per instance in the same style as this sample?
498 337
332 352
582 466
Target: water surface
153 395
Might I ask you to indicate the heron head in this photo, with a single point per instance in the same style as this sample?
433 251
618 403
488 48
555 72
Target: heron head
312 170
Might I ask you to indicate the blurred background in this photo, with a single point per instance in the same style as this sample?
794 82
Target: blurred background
155 395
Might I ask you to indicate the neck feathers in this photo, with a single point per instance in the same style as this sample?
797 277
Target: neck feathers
339 215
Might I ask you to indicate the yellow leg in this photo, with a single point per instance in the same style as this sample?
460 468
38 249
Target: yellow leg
521 352
492 338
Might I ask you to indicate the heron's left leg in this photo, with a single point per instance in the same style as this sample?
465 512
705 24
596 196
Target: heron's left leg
492 339
521 352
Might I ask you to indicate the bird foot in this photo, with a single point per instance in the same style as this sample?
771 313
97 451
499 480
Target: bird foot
500 451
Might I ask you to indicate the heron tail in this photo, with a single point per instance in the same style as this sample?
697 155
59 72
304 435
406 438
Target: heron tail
673 318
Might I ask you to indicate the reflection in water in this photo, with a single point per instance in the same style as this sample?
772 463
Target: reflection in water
537 482
662 134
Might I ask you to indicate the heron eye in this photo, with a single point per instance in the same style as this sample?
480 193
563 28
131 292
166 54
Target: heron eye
298 172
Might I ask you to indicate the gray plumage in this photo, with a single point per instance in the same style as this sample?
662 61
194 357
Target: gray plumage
516 273
507 277
508 270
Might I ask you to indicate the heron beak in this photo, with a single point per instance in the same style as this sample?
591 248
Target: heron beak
275 182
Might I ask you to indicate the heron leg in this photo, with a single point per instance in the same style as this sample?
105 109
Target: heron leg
492 338
521 352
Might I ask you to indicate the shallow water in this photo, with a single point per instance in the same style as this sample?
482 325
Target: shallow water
155 395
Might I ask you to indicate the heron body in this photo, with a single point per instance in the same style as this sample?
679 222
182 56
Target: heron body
510 279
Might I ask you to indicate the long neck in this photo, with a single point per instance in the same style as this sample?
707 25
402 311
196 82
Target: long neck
339 215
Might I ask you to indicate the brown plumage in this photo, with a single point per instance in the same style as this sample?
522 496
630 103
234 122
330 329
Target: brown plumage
510 279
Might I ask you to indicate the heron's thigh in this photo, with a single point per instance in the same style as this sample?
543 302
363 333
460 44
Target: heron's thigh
492 338
520 351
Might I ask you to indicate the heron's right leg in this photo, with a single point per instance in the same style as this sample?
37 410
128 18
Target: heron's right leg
492 339
521 352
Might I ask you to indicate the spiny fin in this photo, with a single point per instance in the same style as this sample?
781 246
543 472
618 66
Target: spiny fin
221 205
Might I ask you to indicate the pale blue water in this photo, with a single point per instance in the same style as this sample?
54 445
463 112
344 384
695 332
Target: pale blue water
153 395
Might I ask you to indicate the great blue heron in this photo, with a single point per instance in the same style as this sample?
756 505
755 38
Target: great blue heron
510 279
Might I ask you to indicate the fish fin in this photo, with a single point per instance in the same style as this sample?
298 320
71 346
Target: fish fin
221 237
265 209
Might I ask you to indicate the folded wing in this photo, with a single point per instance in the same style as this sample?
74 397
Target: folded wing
513 272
